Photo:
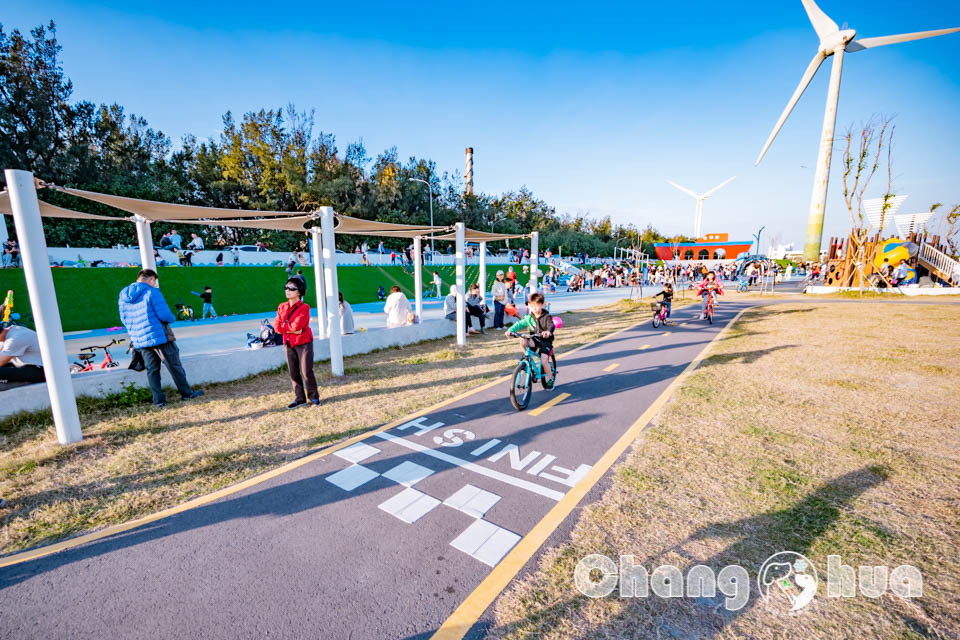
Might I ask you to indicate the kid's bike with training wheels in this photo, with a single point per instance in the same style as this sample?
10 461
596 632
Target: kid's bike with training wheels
87 354
743 285
528 371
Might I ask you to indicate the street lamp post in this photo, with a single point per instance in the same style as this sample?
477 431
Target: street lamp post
429 186
757 236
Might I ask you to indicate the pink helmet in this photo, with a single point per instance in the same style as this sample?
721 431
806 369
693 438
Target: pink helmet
557 322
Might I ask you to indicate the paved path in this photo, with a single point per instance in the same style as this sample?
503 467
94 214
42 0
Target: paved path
381 539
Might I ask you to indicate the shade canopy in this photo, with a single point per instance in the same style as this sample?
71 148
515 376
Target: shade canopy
48 210
153 210
347 225
471 235
293 223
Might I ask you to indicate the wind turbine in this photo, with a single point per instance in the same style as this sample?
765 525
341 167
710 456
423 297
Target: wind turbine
699 199
833 42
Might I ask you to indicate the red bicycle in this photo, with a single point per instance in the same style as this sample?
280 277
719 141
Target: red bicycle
87 354
711 304
660 314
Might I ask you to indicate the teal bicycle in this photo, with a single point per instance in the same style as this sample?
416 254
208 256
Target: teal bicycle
527 373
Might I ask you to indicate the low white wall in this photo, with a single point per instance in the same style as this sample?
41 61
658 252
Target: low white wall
247 258
907 291
221 367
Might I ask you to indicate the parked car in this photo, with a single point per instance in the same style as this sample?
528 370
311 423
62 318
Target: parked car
243 247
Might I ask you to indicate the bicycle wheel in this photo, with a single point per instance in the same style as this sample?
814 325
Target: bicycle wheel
656 320
520 387
75 368
710 315
553 370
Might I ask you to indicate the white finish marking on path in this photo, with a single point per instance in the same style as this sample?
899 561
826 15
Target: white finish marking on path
486 542
408 473
409 505
357 453
464 464
472 500
352 477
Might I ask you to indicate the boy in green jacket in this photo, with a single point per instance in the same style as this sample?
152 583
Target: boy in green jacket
540 323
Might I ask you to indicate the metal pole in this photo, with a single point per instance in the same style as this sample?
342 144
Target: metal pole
145 241
318 282
333 302
534 251
818 199
418 277
461 293
483 271
43 303
432 250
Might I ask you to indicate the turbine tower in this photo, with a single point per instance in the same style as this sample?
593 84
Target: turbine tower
699 198
833 42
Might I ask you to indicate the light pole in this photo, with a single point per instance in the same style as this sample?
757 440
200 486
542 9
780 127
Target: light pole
429 186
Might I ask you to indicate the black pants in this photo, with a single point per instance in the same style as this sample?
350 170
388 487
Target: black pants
300 364
169 354
26 373
474 310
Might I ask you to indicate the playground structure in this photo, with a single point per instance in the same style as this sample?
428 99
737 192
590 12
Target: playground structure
924 254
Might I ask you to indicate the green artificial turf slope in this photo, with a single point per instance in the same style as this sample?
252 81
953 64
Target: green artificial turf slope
87 298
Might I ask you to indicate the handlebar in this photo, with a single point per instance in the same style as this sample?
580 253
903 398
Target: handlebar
106 346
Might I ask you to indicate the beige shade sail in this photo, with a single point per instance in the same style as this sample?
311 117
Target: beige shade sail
348 225
48 210
167 211
471 235
296 223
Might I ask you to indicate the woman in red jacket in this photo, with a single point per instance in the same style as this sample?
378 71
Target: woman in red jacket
293 323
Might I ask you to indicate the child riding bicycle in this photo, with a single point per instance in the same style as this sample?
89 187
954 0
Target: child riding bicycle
540 324
667 294
709 286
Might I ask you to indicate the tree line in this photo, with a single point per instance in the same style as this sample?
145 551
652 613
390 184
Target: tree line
271 159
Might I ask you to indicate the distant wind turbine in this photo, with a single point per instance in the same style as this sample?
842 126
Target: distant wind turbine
699 198
833 42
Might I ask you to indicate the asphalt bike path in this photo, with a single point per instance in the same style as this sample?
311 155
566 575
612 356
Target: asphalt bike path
384 538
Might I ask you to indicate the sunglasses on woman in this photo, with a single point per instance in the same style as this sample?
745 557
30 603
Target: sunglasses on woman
291 288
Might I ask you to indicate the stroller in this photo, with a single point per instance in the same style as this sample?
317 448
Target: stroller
266 337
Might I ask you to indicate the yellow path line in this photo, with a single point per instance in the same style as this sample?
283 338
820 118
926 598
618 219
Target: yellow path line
646 346
40 552
555 401
470 610
611 367
666 333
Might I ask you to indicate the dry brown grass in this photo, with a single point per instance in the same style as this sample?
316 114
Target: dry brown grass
817 428
137 460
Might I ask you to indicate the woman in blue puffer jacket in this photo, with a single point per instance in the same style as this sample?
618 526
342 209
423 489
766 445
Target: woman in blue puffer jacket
144 312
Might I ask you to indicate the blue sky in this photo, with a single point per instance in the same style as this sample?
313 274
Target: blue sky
591 105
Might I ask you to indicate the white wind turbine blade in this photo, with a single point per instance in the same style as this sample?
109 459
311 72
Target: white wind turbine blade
821 22
804 81
725 182
868 43
684 189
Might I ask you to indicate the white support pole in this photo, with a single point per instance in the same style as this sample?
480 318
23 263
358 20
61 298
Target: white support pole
461 293
318 282
145 241
483 271
418 276
534 252
333 302
43 303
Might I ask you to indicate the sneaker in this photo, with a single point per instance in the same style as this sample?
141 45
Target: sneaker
195 394
159 405
315 403
295 404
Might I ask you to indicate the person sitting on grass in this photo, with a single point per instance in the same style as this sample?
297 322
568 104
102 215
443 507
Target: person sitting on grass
381 294
398 310
293 323
20 359
540 323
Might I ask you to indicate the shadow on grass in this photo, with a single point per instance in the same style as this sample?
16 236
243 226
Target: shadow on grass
795 528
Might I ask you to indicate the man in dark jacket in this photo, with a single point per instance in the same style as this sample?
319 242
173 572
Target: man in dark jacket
144 313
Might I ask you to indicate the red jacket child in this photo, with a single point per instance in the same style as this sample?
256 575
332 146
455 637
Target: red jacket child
292 318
